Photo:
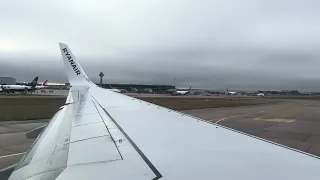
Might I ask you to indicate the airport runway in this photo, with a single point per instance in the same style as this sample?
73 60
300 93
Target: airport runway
294 123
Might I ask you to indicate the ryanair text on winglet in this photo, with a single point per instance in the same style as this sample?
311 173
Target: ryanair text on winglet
72 63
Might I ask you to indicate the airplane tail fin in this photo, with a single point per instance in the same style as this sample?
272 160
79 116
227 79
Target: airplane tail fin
75 73
34 82
45 83
189 89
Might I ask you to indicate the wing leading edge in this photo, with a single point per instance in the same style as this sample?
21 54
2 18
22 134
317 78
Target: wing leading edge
100 134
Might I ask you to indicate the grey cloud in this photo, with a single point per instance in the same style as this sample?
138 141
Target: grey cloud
252 44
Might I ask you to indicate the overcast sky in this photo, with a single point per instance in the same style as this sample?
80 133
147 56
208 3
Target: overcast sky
217 44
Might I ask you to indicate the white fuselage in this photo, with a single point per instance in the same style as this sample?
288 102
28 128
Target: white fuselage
40 87
260 95
182 92
15 87
232 93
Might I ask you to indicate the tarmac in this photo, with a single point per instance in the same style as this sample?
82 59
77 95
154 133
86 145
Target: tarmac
294 123
13 141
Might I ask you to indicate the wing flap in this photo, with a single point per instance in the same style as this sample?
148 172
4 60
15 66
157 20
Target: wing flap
98 149
88 131
95 138
86 119
119 170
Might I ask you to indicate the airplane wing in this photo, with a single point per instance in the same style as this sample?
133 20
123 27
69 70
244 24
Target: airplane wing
100 134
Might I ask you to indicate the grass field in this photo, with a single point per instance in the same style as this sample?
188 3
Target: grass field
14 108
28 107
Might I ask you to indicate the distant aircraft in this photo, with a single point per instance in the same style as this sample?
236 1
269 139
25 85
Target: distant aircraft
230 92
146 90
179 92
114 89
260 95
20 88
42 86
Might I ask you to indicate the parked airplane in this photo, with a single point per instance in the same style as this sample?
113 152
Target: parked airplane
43 85
230 92
100 134
181 92
20 88
115 89
260 95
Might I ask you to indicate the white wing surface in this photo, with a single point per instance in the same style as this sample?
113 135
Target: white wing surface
101 134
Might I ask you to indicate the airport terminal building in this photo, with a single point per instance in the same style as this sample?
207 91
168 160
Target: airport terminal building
7 80
150 88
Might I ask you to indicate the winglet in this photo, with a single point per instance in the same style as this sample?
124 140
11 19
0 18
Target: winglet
75 73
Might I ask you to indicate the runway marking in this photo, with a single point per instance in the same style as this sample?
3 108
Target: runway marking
10 155
275 120
239 115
